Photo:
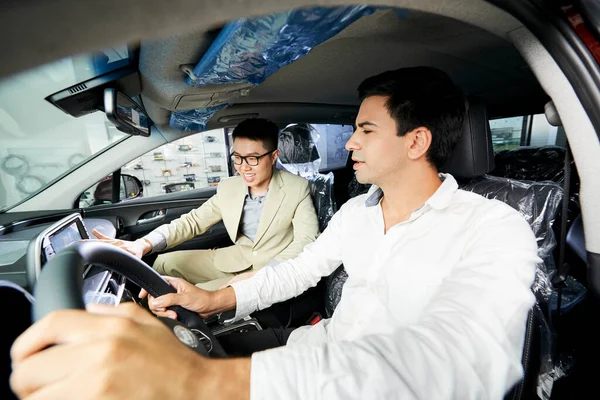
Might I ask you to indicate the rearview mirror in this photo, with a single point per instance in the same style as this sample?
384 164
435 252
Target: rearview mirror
126 114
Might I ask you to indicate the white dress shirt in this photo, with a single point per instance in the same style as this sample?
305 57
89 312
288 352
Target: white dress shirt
433 309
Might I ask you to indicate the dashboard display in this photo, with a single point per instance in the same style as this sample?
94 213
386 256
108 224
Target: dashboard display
65 237
100 285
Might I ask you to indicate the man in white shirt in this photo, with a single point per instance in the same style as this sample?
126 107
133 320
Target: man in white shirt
434 307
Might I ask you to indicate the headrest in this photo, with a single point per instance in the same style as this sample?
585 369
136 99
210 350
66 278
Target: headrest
298 144
474 153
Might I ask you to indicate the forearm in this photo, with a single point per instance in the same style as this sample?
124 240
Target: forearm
281 282
292 277
224 379
145 245
223 300
156 240
189 225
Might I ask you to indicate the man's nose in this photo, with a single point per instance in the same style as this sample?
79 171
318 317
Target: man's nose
352 143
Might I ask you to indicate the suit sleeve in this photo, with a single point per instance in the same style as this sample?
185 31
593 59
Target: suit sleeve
304 223
192 224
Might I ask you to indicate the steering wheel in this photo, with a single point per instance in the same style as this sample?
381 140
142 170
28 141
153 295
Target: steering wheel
60 286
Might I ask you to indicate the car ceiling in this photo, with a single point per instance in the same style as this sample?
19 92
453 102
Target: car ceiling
320 87
483 64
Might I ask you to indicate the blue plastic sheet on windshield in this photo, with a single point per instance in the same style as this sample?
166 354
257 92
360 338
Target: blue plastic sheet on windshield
248 51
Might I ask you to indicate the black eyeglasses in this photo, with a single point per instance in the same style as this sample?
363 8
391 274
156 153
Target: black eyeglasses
250 160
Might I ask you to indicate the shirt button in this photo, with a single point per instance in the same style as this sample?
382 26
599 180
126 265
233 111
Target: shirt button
255 253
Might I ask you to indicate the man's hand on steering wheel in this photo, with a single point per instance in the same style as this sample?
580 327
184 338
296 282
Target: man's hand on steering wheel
188 296
114 352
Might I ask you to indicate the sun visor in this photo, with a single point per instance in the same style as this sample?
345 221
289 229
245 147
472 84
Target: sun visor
248 51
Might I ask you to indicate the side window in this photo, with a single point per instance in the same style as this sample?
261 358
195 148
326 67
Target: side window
527 130
196 161
507 132
332 145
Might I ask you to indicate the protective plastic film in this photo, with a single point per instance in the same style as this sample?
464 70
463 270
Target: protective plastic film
334 284
298 149
250 50
299 155
538 203
355 188
193 120
531 163
321 190
546 163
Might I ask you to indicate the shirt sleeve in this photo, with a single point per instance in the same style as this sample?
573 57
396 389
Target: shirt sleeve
467 345
287 279
158 241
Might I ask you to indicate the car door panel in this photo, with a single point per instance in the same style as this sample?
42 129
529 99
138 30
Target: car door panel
136 218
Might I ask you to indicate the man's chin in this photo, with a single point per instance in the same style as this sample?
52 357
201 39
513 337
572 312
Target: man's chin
362 178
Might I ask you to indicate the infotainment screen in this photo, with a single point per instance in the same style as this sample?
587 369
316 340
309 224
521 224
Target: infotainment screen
62 234
65 237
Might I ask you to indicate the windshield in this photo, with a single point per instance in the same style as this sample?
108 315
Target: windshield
41 142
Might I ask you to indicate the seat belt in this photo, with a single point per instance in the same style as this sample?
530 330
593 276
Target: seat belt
562 270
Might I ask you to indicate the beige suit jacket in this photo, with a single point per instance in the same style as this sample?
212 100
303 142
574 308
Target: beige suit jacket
287 224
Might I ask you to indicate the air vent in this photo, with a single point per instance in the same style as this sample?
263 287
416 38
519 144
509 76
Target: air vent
77 88
85 98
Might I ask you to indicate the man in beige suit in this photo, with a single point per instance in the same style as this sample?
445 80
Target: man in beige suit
268 214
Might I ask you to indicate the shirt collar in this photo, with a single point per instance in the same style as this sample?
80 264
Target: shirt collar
439 200
253 196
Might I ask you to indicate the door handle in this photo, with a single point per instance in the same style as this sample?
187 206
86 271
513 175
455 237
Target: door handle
152 220
157 217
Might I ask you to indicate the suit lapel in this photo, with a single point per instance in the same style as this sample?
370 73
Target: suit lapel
234 202
273 201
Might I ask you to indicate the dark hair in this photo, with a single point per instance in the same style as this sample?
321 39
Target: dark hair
258 129
422 96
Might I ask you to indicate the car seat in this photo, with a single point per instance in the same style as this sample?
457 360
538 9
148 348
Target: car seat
299 155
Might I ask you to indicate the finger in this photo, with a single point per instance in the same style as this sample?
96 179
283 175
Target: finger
56 390
166 313
70 326
143 293
43 333
99 235
176 283
34 373
125 310
167 300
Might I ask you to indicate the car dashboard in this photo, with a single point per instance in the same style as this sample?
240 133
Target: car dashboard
27 251
32 247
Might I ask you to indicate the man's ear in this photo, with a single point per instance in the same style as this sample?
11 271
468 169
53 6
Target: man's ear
274 156
419 140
